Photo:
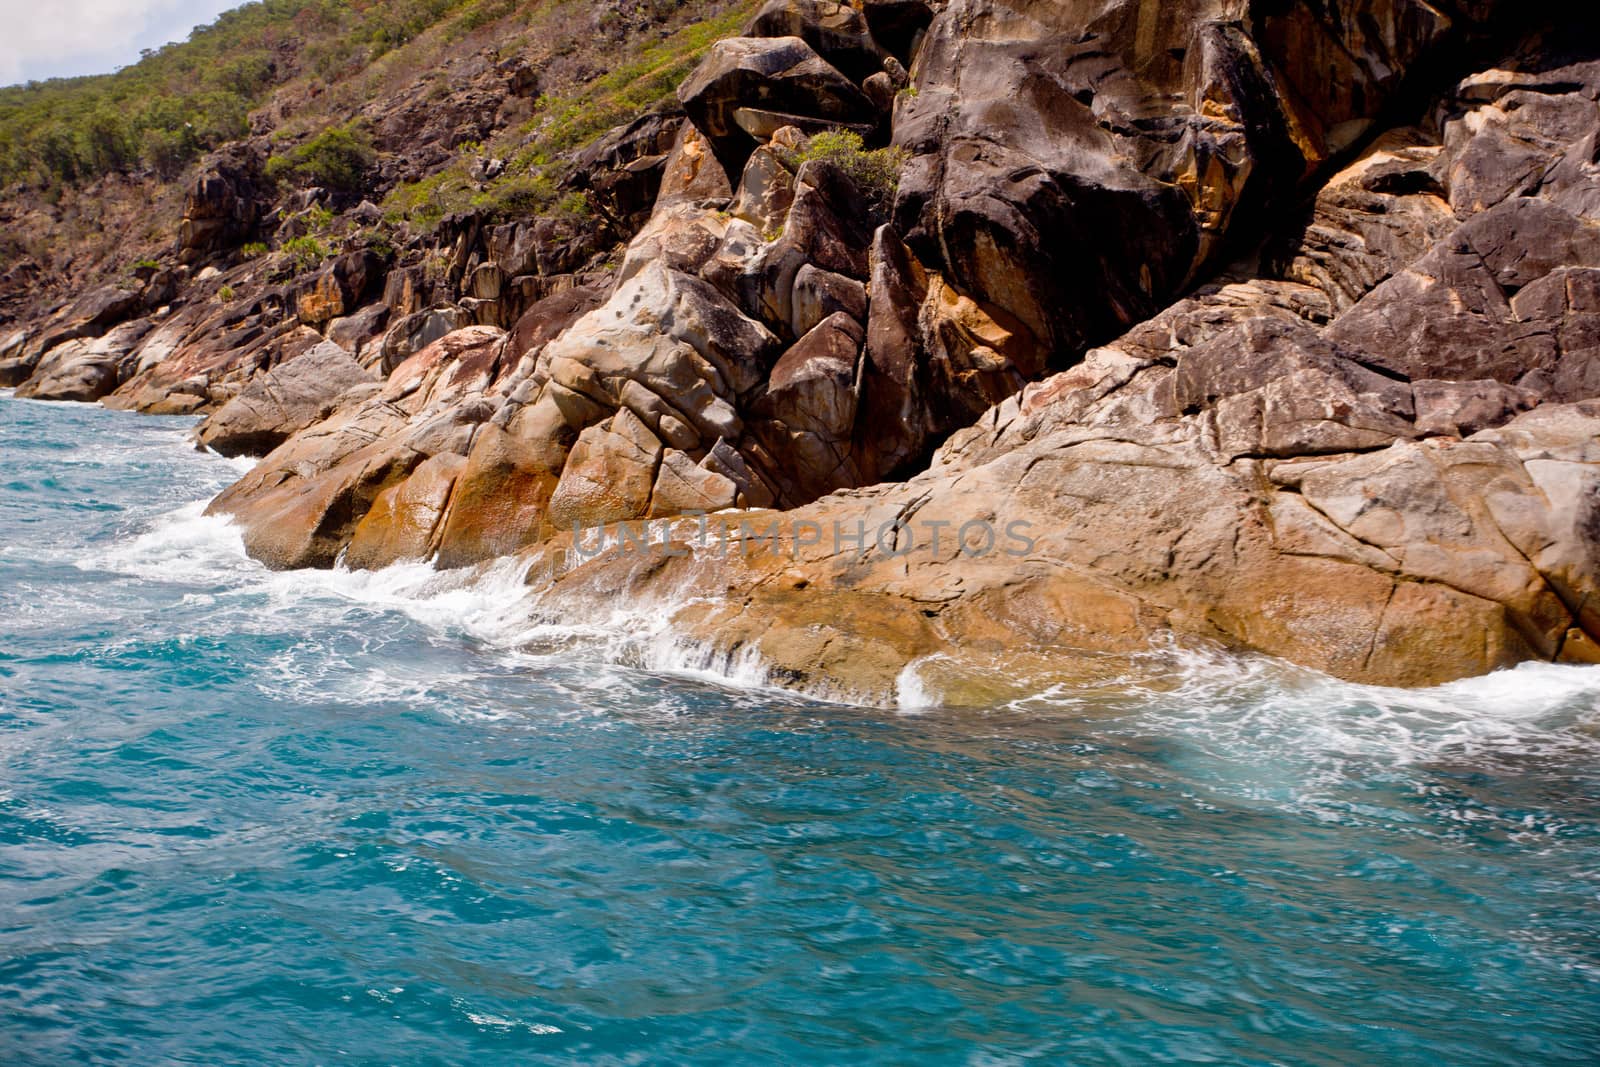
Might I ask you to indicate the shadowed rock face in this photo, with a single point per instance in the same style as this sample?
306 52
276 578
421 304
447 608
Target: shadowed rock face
1381 463
1366 441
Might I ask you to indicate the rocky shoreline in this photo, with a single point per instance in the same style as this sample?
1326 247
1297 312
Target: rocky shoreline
1272 325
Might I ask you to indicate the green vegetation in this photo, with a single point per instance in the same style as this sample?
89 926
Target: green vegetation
304 253
875 171
226 293
253 249
187 98
561 123
338 158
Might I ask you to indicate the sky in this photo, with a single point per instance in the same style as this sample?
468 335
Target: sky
61 38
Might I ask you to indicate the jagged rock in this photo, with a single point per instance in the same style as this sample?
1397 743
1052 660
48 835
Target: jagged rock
339 288
516 458
356 332
402 293
14 369
677 337
90 315
837 31
1461 409
809 410
1369 448
224 204
622 171
766 191
1373 219
1451 314
1003 200
682 237
896 424
692 173
284 400
783 73
504 492
827 228
222 346
300 506
683 487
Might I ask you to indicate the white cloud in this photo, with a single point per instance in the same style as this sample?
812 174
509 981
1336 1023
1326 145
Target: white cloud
56 38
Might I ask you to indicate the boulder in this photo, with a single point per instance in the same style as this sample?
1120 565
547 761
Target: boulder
284 400
403 519
784 74
85 369
357 332
766 190
415 332
609 475
837 31
1046 182
808 414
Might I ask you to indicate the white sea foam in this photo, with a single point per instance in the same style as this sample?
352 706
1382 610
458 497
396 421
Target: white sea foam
1255 705
490 604
1222 700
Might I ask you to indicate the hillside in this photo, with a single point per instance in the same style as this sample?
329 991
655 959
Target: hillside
389 100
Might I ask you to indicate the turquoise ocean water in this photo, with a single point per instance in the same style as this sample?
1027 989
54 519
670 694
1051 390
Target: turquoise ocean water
331 818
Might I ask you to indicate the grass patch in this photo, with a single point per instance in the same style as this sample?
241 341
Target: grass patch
875 171
338 158
302 254
531 183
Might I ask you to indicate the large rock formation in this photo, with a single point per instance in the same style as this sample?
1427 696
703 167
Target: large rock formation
1271 324
1383 463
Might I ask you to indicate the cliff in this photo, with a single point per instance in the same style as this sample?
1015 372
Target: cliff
987 335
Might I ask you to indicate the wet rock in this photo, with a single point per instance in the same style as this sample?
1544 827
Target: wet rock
402 521
300 506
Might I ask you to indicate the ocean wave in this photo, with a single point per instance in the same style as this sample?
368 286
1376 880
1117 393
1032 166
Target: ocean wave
1227 701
